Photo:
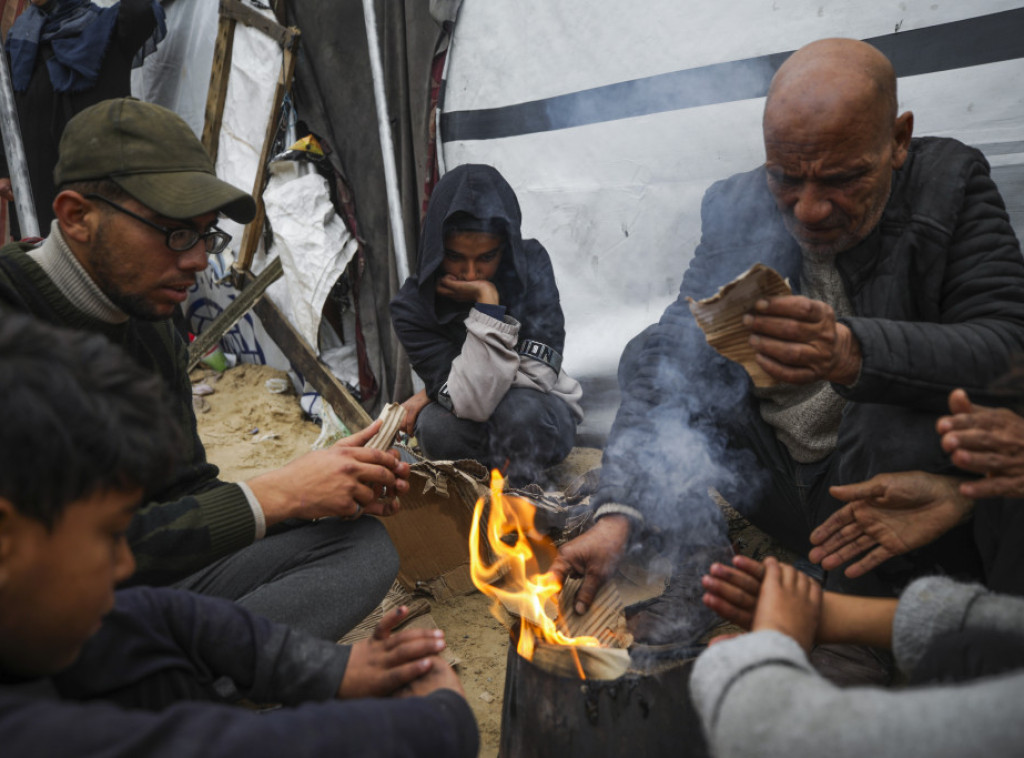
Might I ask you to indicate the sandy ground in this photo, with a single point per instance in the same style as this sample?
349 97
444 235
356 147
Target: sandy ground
248 430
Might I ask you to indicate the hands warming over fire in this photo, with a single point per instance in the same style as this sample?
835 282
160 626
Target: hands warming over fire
798 340
891 514
594 555
769 595
346 480
732 591
987 441
388 662
888 515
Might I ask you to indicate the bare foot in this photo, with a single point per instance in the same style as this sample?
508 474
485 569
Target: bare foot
790 602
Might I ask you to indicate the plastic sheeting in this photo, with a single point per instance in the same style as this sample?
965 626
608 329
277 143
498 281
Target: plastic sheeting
312 240
314 245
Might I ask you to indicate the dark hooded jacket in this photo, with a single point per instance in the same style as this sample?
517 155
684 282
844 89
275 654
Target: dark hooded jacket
519 343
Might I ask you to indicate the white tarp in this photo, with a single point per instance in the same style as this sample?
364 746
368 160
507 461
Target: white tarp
313 242
177 74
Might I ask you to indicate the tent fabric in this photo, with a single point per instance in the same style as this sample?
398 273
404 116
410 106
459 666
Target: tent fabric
333 94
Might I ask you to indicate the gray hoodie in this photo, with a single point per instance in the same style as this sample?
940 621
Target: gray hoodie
757 695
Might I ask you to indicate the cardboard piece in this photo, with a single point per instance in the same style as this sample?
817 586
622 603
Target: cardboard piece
720 316
431 529
391 418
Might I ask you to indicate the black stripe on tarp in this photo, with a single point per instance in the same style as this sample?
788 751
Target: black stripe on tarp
958 44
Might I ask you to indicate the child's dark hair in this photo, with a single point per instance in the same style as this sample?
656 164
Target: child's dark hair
78 417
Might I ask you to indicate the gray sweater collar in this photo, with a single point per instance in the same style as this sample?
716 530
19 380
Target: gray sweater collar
56 259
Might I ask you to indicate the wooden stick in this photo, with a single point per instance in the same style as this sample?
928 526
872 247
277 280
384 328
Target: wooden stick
253 230
234 312
305 360
218 91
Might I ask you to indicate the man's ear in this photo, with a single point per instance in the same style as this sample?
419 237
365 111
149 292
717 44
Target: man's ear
902 131
8 528
76 216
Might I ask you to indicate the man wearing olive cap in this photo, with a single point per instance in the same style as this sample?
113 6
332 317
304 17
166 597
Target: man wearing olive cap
136 212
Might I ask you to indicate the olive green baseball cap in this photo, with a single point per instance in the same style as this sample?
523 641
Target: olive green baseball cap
153 155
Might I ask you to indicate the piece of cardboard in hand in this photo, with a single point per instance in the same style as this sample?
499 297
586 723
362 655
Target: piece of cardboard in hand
720 316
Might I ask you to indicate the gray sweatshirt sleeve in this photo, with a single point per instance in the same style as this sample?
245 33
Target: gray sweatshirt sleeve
937 605
484 371
758 696
489 366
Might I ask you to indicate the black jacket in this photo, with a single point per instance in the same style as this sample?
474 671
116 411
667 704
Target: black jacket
938 293
155 681
433 332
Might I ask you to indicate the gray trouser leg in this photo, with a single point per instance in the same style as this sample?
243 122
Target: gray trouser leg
445 437
321 578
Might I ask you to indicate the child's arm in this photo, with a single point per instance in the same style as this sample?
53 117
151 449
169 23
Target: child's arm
857 620
758 695
732 592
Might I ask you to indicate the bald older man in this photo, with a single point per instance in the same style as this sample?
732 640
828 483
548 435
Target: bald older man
909 282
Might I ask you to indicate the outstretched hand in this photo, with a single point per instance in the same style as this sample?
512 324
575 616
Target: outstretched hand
732 591
790 602
798 340
988 441
388 661
888 515
594 555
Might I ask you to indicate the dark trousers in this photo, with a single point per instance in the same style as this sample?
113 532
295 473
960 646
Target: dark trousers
968 654
873 439
528 432
321 578
999 533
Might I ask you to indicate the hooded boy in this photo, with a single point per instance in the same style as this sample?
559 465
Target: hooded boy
484 330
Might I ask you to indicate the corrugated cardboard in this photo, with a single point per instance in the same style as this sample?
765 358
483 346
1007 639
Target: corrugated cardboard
431 530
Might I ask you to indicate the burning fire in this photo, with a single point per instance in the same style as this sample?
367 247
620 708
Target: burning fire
516 579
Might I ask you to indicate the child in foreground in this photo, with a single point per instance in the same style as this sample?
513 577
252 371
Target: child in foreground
87 671
961 647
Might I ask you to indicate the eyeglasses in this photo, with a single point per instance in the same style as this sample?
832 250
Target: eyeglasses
182 239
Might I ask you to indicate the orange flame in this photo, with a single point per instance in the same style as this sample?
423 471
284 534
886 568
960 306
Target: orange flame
515 579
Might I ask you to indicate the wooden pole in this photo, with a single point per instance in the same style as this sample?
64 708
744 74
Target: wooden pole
218 84
302 355
299 352
253 230
234 312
